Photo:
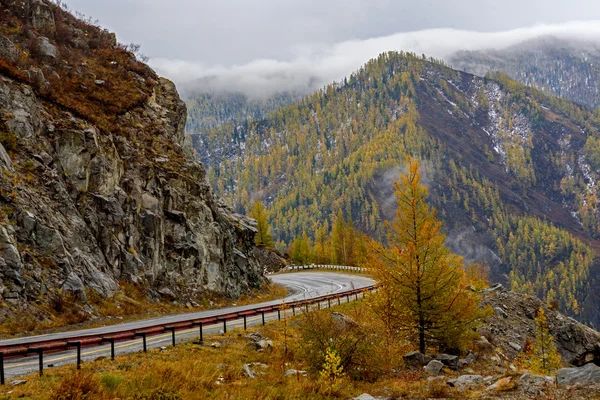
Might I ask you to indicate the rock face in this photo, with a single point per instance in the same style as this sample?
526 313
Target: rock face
576 343
88 202
587 375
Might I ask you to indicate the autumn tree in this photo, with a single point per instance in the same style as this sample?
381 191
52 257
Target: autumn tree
263 236
426 283
543 357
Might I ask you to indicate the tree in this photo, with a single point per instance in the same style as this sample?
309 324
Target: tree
544 357
263 236
429 286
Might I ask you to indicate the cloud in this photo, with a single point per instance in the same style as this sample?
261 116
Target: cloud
316 65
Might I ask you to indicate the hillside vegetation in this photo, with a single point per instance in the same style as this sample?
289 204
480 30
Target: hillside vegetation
511 170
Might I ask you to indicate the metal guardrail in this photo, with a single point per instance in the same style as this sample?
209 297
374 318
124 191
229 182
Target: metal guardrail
42 347
319 266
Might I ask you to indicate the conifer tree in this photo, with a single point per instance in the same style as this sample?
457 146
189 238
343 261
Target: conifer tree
263 236
428 283
545 358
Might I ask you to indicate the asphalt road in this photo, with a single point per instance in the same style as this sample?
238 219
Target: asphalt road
302 285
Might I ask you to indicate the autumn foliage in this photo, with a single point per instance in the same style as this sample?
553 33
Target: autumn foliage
424 285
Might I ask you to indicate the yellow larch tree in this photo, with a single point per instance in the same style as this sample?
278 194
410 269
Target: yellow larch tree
426 283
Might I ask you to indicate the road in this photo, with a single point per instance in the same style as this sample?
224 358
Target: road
302 285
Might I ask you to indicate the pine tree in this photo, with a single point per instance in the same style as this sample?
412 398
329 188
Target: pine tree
429 285
263 236
545 358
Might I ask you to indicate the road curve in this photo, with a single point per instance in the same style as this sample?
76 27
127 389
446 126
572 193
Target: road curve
302 285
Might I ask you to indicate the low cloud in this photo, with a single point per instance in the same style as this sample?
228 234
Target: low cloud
314 66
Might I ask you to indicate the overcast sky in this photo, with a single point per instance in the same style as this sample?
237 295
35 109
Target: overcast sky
190 39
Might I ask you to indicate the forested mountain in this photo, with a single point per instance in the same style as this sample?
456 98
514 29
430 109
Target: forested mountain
511 170
570 69
208 110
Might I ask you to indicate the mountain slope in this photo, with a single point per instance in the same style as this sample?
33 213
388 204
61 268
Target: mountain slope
97 183
510 169
570 69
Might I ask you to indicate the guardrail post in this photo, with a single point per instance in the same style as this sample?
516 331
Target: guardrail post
200 329
278 314
143 335
172 329
319 304
78 345
356 295
294 311
41 360
262 312
329 302
244 321
112 347
339 302
347 298
306 307
224 325
1 368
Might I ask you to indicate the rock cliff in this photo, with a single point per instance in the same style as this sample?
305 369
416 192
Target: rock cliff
97 186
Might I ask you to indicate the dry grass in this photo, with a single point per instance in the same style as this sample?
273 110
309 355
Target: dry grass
65 312
201 372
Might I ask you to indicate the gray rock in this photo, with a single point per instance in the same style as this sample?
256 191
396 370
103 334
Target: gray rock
99 82
74 285
18 382
434 367
37 78
46 48
529 379
343 320
8 49
587 375
215 345
364 396
465 381
5 161
500 312
248 371
515 346
448 360
497 287
42 17
416 359
295 372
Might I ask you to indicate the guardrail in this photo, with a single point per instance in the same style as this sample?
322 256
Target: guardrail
78 342
319 266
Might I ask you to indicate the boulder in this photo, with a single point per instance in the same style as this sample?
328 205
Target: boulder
343 320
465 381
364 396
248 371
295 372
416 359
587 375
46 48
8 49
434 367
500 312
515 346
448 360
5 161
42 17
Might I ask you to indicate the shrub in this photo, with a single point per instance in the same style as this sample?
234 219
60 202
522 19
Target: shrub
77 386
110 382
8 140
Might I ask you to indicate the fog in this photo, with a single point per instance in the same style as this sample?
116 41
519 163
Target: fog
313 66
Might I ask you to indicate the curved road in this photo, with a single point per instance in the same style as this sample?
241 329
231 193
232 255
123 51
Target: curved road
302 285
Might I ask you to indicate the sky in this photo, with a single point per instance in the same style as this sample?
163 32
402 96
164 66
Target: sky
261 46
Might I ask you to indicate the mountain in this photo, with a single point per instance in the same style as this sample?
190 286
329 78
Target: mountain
98 185
511 170
208 110
566 68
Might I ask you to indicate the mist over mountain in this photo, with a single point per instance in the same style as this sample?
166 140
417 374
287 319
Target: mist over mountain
566 68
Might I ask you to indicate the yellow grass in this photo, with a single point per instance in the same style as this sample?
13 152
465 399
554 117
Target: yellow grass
129 304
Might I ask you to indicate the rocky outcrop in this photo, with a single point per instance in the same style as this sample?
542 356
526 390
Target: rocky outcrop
91 198
589 374
509 329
